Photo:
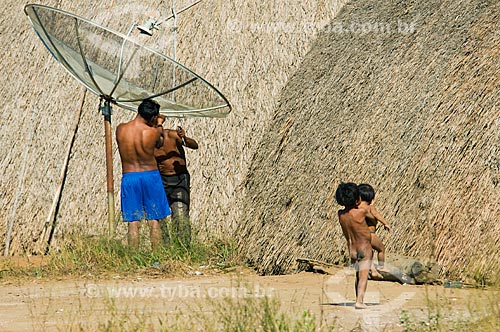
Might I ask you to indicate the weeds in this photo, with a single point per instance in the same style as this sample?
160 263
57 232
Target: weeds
486 319
255 311
249 314
261 314
101 255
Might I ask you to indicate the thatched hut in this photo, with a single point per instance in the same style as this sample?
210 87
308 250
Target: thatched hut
402 95
49 188
398 94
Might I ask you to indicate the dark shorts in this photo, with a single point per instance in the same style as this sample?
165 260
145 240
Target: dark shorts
177 188
143 197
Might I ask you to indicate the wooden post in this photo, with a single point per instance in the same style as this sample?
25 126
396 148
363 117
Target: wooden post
106 111
48 231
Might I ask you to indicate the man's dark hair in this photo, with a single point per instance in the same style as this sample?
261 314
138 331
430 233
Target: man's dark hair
347 194
148 108
366 192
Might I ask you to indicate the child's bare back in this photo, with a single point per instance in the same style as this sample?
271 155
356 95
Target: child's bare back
356 232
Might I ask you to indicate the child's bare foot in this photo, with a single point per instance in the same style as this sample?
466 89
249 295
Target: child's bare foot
375 275
360 306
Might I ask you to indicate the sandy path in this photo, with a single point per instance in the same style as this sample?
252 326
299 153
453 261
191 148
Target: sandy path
41 305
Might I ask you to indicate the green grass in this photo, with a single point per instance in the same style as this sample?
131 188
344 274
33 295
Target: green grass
484 318
102 255
260 314
249 314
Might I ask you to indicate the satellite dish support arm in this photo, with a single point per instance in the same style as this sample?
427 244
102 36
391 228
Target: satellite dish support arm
155 24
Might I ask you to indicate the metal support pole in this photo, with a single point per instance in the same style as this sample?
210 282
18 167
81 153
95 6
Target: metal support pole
106 112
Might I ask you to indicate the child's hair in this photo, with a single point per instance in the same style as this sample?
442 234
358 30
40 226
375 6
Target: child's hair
347 194
366 192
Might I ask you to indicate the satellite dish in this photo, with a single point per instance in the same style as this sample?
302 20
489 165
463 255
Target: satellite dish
121 70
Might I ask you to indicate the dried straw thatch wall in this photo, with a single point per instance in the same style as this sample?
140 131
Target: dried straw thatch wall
248 49
415 112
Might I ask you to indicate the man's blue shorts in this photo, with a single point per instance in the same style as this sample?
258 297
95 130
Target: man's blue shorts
143 196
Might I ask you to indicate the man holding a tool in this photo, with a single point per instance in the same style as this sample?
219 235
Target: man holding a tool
171 159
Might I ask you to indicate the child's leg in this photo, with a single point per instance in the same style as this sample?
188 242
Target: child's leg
373 271
363 267
355 264
374 274
379 246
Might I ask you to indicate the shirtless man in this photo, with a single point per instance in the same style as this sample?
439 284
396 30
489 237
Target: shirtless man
171 159
357 234
142 195
367 194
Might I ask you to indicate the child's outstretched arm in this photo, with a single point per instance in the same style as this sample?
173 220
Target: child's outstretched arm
380 218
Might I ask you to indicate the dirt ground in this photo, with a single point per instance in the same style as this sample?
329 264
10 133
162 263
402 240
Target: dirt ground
38 304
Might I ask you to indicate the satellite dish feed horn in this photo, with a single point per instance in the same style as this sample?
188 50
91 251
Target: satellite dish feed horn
147 28
152 24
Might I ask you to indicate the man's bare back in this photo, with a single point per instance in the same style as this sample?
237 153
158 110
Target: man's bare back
141 192
171 156
136 143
